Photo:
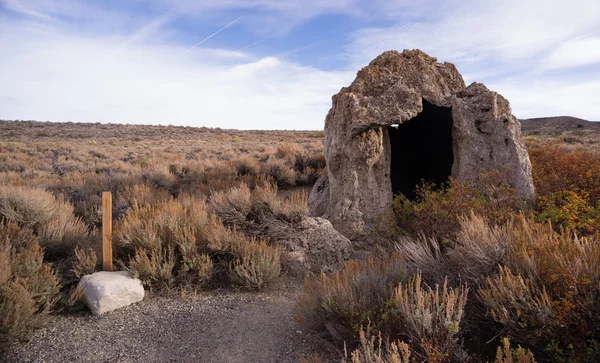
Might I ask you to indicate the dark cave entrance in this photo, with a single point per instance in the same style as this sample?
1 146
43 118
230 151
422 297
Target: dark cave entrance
421 150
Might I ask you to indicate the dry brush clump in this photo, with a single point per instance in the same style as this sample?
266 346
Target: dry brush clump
259 212
526 282
430 318
338 305
567 182
178 243
50 218
437 211
372 350
29 289
376 294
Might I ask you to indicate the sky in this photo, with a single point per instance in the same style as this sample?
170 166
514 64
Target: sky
274 64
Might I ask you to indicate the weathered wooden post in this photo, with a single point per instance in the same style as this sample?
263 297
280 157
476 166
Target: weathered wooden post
107 231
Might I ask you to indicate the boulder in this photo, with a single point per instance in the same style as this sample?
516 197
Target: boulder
106 291
313 245
407 118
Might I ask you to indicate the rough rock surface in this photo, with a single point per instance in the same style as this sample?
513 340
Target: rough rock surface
313 246
106 291
355 190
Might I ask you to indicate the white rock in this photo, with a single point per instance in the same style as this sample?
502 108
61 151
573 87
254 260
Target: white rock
106 291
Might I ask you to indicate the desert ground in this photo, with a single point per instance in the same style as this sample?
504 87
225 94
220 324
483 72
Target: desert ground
201 217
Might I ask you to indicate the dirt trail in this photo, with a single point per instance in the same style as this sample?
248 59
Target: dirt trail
225 326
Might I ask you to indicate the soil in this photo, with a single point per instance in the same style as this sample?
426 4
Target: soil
216 326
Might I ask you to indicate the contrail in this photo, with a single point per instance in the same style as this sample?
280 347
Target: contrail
210 36
241 49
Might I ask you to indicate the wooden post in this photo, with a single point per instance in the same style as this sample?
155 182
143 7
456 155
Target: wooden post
107 231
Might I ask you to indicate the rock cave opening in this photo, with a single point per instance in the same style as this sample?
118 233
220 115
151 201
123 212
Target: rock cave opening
421 149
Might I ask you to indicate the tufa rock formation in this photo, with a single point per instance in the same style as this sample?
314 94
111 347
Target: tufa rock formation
408 118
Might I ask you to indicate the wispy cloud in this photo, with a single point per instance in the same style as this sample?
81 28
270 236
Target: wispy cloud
145 31
76 78
212 35
80 60
503 44
575 52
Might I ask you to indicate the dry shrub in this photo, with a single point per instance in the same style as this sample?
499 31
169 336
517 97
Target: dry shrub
28 291
159 177
142 194
371 350
437 212
517 302
178 242
19 237
478 248
422 254
430 318
259 212
280 171
546 292
247 166
556 169
233 205
505 354
155 267
258 265
30 207
61 234
85 262
294 207
289 151
50 218
338 305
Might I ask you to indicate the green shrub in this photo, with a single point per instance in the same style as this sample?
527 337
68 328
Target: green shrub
567 209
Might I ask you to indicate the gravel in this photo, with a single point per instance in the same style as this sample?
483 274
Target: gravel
220 326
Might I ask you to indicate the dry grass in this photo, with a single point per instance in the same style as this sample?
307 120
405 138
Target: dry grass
505 354
371 350
430 318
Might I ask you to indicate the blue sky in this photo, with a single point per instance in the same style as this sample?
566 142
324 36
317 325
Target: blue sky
274 64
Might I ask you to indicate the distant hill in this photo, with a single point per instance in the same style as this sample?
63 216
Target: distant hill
557 124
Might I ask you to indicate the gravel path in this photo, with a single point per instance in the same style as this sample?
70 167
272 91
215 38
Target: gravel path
222 326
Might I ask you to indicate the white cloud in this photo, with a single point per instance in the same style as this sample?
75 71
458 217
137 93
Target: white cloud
472 31
574 52
551 97
492 41
60 77
49 10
